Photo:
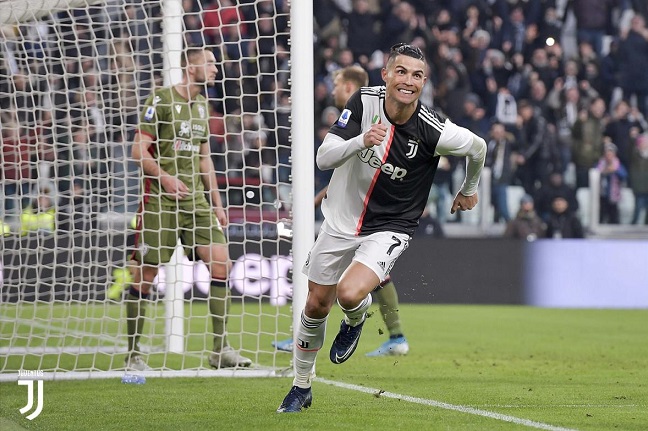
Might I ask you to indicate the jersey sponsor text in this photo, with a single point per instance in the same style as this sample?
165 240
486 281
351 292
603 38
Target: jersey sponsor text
369 157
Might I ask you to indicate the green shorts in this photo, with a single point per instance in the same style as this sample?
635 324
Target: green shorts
160 228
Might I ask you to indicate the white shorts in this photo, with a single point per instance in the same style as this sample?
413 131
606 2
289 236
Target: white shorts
332 254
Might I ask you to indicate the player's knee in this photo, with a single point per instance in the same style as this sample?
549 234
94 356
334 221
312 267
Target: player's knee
148 274
349 298
317 308
218 271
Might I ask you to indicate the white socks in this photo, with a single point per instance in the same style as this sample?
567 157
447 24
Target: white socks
356 316
310 338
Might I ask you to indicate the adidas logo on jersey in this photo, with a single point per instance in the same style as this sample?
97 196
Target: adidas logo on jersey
369 157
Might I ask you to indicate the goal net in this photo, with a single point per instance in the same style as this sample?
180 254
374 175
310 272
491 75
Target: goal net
74 79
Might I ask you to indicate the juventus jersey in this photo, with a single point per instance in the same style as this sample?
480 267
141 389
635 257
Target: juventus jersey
384 187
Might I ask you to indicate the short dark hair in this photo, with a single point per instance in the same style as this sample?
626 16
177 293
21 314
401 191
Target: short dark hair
405 49
190 53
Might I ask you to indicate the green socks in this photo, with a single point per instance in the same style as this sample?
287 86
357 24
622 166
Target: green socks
218 305
388 305
135 313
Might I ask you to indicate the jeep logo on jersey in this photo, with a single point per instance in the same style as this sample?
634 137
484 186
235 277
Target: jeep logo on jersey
369 157
413 148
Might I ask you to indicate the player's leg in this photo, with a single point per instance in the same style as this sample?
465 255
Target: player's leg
310 339
154 245
136 304
327 259
372 262
354 298
387 299
211 248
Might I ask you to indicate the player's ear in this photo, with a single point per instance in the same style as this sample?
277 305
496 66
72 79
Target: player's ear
383 74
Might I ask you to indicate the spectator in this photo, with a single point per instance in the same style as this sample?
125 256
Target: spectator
75 212
555 188
499 158
40 215
402 23
587 135
613 175
224 25
362 30
526 224
623 129
452 80
535 148
639 178
633 63
565 104
593 18
610 73
563 222
440 195
15 170
473 116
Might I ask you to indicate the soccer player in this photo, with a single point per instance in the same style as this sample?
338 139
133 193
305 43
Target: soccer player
346 82
171 147
384 150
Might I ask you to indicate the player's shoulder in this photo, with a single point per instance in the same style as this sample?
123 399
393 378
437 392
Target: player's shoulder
377 91
429 117
160 96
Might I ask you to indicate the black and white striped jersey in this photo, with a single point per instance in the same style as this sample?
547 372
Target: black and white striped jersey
385 187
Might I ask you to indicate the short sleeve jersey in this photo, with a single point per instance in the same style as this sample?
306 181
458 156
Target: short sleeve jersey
385 187
178 128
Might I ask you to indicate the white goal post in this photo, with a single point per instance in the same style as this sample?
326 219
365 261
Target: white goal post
74 76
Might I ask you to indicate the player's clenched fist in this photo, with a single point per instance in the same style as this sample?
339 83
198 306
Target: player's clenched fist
375 135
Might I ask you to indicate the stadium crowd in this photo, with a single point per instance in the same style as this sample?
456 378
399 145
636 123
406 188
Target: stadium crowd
556 87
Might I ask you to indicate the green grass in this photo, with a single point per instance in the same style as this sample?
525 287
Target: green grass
575 369
252 327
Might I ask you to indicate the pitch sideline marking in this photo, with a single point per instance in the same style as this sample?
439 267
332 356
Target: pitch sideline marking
446 406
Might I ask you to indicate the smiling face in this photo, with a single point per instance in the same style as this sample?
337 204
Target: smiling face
404 78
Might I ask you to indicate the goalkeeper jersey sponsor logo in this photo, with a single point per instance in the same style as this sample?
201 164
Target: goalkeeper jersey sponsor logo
181 145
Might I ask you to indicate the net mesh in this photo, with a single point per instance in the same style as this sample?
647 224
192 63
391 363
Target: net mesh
73 82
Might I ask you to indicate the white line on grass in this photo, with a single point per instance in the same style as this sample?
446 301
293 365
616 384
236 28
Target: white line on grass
442 405
566 406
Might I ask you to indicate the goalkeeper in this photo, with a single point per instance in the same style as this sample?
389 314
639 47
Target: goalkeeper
346 82
171 147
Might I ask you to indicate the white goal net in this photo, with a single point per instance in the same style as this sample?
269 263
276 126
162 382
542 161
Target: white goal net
74 79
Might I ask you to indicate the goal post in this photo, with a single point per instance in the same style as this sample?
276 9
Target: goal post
74 77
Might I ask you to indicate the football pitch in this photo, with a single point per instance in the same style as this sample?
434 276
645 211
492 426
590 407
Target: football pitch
469 368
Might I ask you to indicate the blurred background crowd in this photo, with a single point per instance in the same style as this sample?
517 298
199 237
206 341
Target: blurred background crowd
557 88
